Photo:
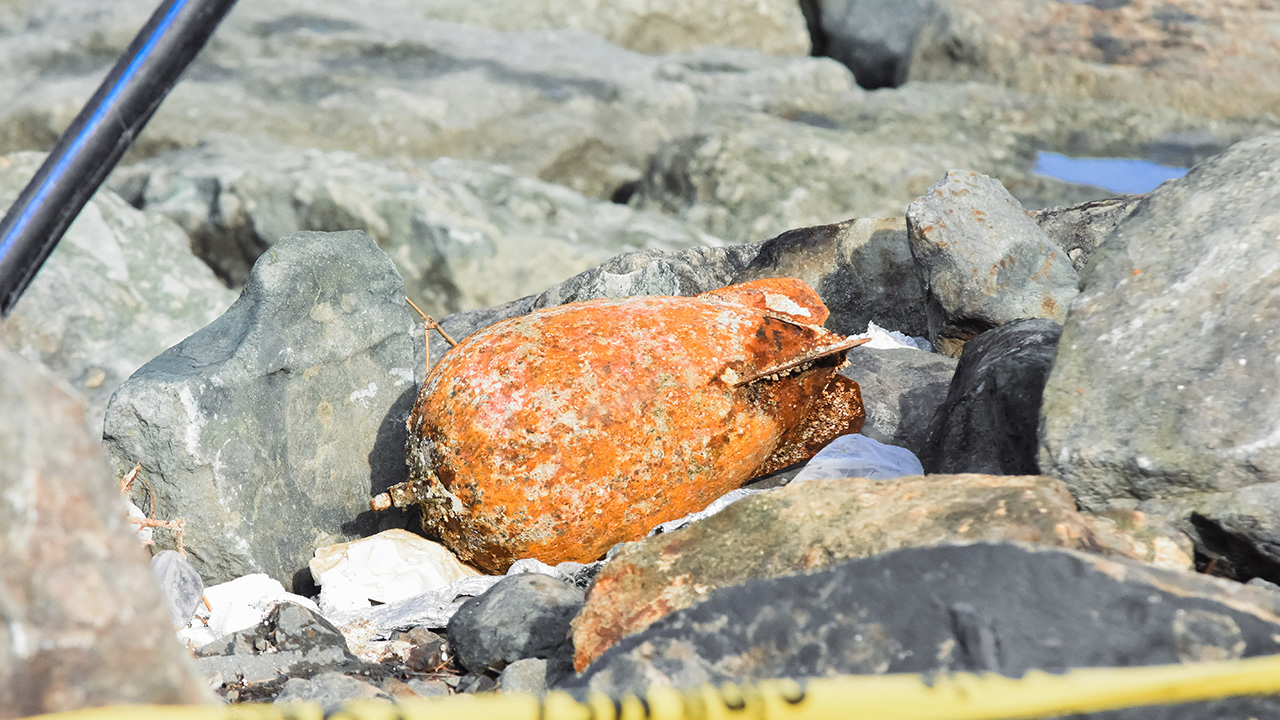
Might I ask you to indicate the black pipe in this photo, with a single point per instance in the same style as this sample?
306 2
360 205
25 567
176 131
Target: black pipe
105 128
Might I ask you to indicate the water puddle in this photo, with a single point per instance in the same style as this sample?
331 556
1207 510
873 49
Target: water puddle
1118 175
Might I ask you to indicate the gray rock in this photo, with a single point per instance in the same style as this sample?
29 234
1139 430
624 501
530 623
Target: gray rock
901 391
81 623
984 262
290 641
643 272
989 421
876 39
746 177
120 288
1004 608
523 616
392 78
1080 229
269 430
1165 383
179 583
463 234
862 269
331 690
526 675
1239 532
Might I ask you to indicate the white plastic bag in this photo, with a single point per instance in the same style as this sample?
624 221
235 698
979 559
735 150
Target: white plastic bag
850 456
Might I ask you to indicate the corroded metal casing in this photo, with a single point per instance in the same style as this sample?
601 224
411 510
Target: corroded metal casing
556 434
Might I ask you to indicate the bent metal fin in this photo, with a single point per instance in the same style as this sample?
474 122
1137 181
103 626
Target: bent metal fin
809 357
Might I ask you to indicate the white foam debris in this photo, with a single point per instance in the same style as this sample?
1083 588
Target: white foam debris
882 339
237 605
384 568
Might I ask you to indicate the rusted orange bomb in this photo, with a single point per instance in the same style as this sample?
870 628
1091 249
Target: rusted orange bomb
557 434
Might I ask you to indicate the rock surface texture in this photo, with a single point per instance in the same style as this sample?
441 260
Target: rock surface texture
811 525
949 608
269 430
523 616
82 623
1166 382
983 261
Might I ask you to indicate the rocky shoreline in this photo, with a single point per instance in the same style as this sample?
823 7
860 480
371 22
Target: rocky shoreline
1096 416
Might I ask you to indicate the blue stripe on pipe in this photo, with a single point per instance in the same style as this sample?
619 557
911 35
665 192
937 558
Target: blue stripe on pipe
98 116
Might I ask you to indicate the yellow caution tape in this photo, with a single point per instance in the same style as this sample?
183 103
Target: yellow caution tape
959 696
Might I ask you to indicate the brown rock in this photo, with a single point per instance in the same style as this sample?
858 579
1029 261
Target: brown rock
82 623
811 525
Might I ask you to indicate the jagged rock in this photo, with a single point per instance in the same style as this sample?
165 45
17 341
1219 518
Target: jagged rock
983 261
810 525
901 390
987 607
119 288
862 269
463 234
82 623
523 616
989 421
270 429
1165 383
1080 229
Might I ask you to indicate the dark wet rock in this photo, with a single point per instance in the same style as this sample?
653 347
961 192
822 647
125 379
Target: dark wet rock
269 430
989 607
810 525
1239 533
1165 384
1080 229
989 421
876 39
902 389
984 262
82 623
862 269
120 288
179 583
523 616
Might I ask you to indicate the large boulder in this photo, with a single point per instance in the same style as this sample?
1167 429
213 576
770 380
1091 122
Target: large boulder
988 607
463 234
82 622
810 525
1166 382
120 288
984 262
269 430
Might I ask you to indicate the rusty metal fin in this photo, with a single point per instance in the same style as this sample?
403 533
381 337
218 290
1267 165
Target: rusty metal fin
809 357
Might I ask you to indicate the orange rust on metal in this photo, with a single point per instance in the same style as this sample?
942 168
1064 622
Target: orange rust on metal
557 434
